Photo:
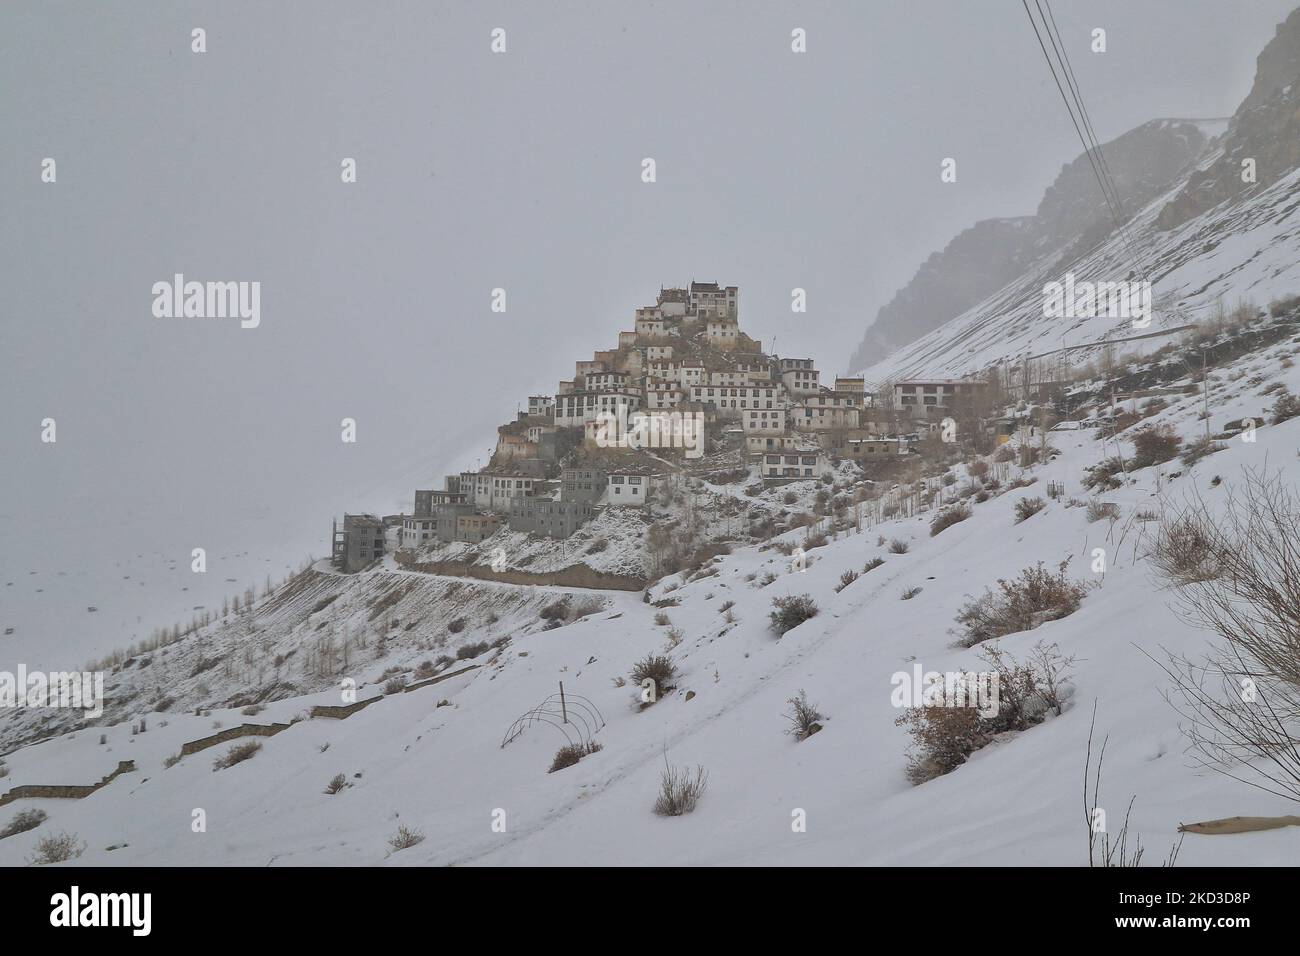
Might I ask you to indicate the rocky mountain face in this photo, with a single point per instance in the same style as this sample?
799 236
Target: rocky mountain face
1071 218
1265 128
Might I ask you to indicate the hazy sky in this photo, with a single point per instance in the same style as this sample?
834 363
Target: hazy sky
475 171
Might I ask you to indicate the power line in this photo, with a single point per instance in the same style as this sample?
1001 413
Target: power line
1064 57
1083 140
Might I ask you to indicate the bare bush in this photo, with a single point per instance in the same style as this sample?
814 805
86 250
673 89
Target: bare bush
22 822
1099 510
662 619
791 611
469 651
1028 507
1154 445
1021 604
1188 548
337 783
847 578
949 517
805 718
872 564
680 790
657 668
1241 703
909 593
237 754
1199 448
898 546
395 686
57 848
405 837
570 754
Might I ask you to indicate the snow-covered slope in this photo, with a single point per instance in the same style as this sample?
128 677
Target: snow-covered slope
442 769
1246 248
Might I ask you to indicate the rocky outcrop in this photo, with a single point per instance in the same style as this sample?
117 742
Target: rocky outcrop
1265 129
1071 217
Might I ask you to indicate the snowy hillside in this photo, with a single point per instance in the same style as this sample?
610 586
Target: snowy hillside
1247 248
433 761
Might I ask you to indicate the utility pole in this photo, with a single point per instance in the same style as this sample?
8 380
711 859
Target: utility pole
564 713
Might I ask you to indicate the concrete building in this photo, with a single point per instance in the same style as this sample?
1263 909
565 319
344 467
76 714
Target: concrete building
916 395
722 333
672 302
477 527
826 410
582 484
445 518
733 402
708 298
791 466
554 519
628 489
359 542
541 405
799 377
418 530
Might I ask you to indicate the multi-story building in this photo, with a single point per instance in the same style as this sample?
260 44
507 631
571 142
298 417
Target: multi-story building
707 298
555 519
475 528
916 395
541 405
581 484
359 542
790 466
628 488
799 376
732 402
722 333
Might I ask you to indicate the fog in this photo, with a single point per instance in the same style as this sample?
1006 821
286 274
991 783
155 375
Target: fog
475 171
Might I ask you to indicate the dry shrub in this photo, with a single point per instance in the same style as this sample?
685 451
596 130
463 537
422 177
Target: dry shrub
805 719
1241 704
570 754
395 686
847 578
662 619
1285 408
1200 448
1028 507
237 754
405 837
1098 510
1021 604
949 517
943 737
791 611
22 822
57 848
909 593
978 468
898 546
337 783
469 651
680 790
872 564
1154 445
1188 549
657 668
